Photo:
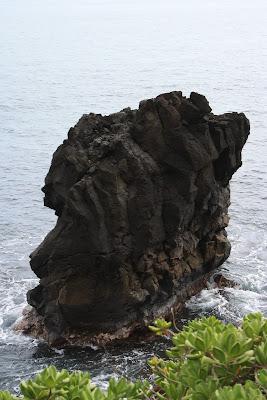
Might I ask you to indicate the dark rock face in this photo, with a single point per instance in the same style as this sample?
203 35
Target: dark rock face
141 198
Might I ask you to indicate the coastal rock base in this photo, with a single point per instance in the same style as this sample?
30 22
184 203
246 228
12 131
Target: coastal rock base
32 323
142 201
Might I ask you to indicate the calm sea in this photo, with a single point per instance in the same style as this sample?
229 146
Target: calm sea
60 59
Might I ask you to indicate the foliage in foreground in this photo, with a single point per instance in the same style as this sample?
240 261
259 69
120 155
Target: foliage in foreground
208 360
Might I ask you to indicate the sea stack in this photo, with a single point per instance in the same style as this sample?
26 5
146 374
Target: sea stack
142 201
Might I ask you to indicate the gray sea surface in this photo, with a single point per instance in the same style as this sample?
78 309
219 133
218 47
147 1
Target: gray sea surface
61 59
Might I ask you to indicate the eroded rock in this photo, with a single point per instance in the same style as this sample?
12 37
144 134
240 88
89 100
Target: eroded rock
142 202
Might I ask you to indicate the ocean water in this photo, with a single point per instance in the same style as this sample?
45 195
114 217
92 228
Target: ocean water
60 59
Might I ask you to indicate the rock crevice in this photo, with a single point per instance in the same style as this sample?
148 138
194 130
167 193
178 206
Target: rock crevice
142 201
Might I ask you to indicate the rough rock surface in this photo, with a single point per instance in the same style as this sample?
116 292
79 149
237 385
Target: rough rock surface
142 202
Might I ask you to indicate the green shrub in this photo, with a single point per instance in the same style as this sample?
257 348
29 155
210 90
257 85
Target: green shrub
208 360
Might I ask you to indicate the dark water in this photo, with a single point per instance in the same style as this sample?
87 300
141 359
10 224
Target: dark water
60 59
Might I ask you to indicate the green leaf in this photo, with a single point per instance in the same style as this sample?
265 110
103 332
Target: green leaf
219 354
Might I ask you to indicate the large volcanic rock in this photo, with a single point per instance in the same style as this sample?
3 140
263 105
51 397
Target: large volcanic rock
141 198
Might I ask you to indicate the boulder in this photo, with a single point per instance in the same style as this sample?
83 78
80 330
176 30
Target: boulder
142 201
